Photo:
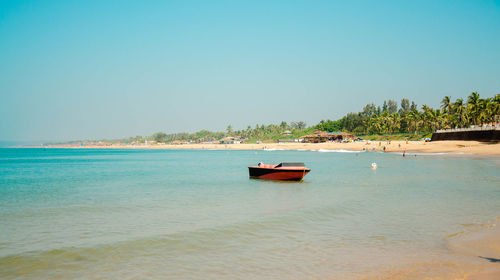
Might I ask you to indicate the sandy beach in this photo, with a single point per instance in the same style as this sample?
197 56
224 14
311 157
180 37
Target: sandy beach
457 147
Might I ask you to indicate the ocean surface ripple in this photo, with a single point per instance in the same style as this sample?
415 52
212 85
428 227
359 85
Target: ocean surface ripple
88 214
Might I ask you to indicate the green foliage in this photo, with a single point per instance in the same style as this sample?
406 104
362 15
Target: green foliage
329 126
381 123
408 119
392 106
263 133
405 106
398 136
159 136
298 125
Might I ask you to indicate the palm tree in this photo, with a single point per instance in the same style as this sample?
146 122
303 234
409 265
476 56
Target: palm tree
446 104
427 117
433 118
395 122
495 105
485 112
459 109
473 103
413 121
375 125
441 120
387 122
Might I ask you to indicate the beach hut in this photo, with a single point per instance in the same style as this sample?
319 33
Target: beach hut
232 140
321 137
227 140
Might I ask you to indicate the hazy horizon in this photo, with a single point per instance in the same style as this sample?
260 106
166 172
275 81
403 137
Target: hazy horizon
102 70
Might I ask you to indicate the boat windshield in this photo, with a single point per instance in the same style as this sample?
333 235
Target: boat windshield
286 164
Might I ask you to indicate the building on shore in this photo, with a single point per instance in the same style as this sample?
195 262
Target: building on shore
473 133
321 137
231 140
290 140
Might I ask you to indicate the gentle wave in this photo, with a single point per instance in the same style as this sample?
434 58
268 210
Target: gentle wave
196 215
173 255
434 154
336 151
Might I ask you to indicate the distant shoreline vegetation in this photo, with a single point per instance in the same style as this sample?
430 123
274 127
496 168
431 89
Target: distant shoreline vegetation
406 118
389 121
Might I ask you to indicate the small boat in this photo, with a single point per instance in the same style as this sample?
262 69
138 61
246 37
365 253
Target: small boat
283 171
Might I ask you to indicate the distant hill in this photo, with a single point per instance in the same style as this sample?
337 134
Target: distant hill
12 144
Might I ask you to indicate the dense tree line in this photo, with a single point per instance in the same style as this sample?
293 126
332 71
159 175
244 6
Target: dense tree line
407 118
389 118
259 132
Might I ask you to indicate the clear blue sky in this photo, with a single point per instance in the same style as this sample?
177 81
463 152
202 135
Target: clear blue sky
109 69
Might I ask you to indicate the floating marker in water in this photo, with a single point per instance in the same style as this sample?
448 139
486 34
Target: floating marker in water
374 165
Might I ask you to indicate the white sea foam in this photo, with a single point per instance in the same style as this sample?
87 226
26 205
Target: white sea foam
432 154
336 151
273 149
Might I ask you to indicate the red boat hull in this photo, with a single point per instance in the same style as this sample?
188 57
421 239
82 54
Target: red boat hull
278 173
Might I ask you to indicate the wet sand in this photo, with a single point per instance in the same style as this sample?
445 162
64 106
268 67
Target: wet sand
481 243
459 147
473 255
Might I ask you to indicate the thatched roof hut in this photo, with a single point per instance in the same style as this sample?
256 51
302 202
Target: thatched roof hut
327 136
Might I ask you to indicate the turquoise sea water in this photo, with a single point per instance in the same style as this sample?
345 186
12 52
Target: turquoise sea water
135 214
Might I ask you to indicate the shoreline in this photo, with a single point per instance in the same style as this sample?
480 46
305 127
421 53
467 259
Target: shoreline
480 244
446 147
474 254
